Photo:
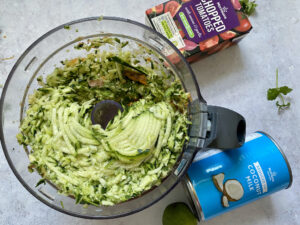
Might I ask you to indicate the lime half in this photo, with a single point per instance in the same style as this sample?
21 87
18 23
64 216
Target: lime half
178 214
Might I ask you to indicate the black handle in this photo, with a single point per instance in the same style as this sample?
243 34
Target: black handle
227 128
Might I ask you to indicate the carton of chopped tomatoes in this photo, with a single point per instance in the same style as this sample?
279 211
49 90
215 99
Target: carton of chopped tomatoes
199 28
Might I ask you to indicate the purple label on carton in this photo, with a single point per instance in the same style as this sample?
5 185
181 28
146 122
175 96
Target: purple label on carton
203 19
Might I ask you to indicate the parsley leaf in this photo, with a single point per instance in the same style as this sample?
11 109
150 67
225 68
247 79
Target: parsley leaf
248 6
278 92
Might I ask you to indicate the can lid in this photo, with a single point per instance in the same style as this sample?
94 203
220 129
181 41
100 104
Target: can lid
196 207
283 155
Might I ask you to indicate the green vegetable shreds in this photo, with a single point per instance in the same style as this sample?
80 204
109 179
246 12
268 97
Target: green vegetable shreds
279 92
138 148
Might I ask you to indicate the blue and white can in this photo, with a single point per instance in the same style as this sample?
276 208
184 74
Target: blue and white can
220 181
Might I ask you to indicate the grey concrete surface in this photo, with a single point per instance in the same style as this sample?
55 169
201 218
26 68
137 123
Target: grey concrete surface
237 78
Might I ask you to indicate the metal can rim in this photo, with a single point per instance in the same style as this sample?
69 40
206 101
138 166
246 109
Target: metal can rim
193 196
283 155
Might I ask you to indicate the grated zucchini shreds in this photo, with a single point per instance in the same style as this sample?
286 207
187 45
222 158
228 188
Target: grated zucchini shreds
137 149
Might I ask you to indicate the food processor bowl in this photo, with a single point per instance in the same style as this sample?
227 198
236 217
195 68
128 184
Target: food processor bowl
211 126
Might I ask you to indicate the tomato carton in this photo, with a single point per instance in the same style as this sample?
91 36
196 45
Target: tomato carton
199 28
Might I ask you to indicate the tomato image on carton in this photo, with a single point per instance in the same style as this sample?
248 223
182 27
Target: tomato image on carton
199 28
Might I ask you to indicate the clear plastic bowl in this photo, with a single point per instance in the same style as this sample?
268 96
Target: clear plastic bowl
40 59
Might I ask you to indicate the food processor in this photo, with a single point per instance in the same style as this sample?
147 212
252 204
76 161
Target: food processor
211 126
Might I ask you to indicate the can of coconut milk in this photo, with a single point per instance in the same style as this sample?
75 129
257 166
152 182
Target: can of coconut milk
220 181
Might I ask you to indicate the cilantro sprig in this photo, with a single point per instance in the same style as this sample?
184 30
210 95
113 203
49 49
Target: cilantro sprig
279 92
248 6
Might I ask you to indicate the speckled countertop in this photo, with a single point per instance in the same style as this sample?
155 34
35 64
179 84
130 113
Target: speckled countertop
236 78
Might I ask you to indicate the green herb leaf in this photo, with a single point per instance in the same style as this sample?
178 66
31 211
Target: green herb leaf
41 181
279 92
285 90
273 93
248 6
67 27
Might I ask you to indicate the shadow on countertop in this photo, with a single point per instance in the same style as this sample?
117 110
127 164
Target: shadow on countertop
220 65
258 212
